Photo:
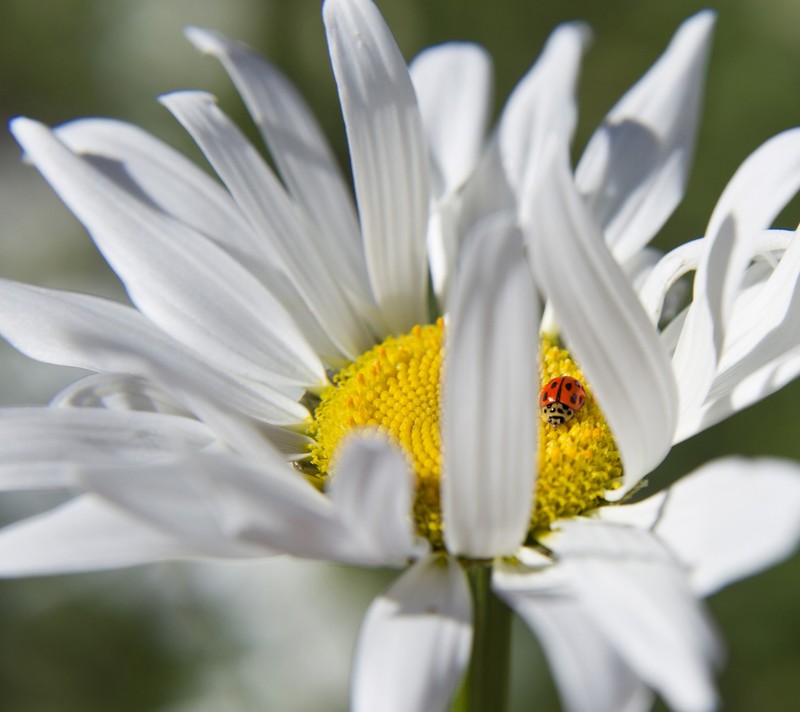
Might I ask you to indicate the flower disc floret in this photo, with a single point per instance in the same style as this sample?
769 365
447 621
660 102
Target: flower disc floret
395 388
578 461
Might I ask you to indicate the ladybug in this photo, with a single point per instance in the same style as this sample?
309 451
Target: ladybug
561 398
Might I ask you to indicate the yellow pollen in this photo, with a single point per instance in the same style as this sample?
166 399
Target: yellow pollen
395 388
578 461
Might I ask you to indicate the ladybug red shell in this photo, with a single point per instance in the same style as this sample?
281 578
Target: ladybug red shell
561 398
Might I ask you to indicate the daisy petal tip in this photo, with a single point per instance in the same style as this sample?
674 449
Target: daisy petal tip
353 14
579 31
175 98
330 8
696 33
25 129
703 21
615 495
204 40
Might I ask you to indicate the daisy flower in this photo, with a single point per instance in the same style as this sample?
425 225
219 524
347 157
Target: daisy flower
300 378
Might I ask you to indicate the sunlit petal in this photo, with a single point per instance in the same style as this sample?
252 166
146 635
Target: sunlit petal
489 397
415 640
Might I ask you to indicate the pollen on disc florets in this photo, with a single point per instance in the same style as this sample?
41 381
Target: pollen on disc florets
395 388
578 461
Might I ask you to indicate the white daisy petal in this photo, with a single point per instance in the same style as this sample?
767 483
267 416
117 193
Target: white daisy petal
613 340
273 214
490 383
732 518
268 505
761 344
758 191
142 164
541 106
173 497
388 155
764 323
190 437
115 391
372 489
640 265
87 332
85 534
443 240
181 280
453 84
760 188
639 598
643 514
633 171
126 153
765 327
750 388
486 192
666 272
415 641
684 259
40 447
302 154
590 675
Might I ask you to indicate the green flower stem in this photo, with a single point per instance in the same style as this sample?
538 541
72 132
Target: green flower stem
485 688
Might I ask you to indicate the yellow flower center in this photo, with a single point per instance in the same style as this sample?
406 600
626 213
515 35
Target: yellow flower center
396 389
578 461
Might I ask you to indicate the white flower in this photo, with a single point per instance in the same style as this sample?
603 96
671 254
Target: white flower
248 298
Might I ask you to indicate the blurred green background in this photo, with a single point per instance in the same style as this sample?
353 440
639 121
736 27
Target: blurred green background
278 636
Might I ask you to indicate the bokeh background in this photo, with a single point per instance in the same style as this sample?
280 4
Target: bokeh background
279 635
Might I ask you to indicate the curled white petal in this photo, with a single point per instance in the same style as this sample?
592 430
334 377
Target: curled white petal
637 595
372 490
759 189
77 330
634 169
43 447
732 518
230 501
761 344
590 674
415 641
603 323
750 387
115 391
